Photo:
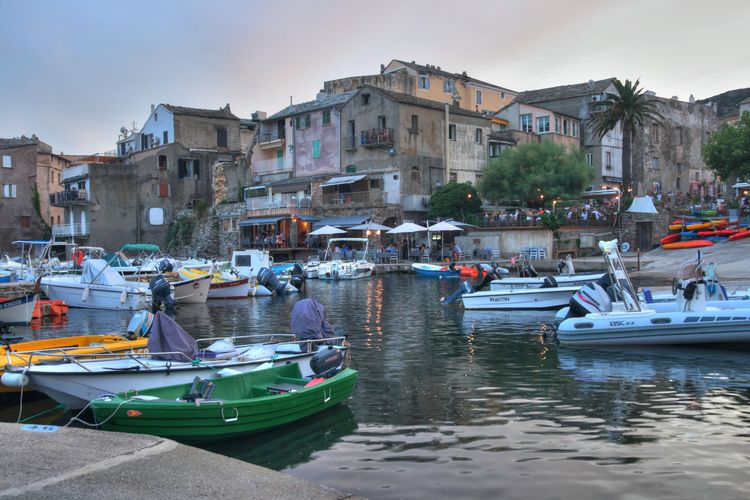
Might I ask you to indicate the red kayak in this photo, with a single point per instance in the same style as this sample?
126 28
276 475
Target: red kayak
739 235
670 238
688 244
718 232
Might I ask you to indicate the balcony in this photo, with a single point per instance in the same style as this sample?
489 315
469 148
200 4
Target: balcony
69 230
271 140
354 197
286 204
68 198
273 166
377 138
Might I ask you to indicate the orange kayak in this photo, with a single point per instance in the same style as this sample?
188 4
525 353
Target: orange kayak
688 244
670 238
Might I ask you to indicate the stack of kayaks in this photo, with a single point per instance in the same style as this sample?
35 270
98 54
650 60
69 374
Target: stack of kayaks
701 233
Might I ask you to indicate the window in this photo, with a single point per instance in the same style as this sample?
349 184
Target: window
164 189
7 161
156 216
452 132
697 176
221 137
381 121
678 134
327 117
557 124
156 117
350 138
478 136
279 159
608 159
365 98
574 132
416 176
25 221
479 97
424 81
316 149
9 190
589 159
655 163
566 127
298 122
526 123
677 183
414 124
376 183
452 177
165 136
502 95
494 150
188 168
307 121
162 162
542 124
449 86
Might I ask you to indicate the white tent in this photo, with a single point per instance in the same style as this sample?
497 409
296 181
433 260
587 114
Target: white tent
327 230
642 205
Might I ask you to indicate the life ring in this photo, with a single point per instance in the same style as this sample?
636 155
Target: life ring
625 246
78 257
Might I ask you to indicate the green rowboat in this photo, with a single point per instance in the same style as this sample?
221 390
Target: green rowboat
224 407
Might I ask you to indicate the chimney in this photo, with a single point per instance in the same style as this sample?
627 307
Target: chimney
692 99
382 68
153 108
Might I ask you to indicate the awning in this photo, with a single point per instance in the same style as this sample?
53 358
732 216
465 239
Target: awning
341 222
260 221
347 179
290 188
306 218
253 188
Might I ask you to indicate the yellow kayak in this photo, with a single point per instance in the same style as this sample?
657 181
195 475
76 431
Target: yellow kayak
197 273
50 350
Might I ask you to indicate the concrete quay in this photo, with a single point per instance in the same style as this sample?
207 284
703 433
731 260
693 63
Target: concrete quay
82 463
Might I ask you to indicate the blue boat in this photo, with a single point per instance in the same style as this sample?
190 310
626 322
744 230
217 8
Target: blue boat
433 271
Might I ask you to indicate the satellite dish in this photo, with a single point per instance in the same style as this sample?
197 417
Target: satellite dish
625 246
123 130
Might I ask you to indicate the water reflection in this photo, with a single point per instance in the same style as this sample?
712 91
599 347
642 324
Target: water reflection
478 404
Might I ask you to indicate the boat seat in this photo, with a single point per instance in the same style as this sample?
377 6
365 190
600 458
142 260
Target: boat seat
283 388
647 297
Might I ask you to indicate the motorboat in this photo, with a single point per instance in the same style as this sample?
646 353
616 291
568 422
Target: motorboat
249 262
520 298
238 404
173 358
97 287
311 269
341 263
529 278
435 271
596 319
226 285
186 291
17 309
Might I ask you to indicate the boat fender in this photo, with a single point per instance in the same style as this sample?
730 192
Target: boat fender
85 295
15 379
123 296
227 372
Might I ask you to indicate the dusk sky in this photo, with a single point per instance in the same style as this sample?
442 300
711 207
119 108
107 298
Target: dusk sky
74 72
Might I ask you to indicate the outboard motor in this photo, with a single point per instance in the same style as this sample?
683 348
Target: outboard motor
268 279
161 292
165 266
327 362
528 271
549 282
140 324
297 276
591 298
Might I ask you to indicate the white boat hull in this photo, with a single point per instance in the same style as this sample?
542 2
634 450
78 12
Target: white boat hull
77 294
519 298
18 311
563 280
337 270
75 386
648 327
193 291
238 289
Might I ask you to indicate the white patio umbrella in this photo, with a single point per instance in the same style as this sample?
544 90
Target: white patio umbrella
442 227
370 226
327 230
407 227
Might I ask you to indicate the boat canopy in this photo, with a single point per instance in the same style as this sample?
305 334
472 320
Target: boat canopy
116 260
140 247
98 272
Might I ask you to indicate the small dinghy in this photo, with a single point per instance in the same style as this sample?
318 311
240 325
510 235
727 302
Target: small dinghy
434 271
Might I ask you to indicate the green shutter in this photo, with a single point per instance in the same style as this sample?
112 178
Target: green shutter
316 149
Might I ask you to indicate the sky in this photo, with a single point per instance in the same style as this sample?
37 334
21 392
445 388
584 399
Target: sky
74 71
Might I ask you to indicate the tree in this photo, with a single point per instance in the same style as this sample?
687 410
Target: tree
727 152
457 201
534 170
631 107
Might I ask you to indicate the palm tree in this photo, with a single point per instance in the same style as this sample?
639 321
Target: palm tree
631 107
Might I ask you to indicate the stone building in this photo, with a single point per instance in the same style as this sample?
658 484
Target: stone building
669 156
727 104
28 164
527 123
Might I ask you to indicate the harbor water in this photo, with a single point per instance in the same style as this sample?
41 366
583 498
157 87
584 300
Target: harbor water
463 404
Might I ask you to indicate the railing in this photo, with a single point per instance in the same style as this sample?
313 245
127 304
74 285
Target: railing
271 139
261 167
339 199
285 201
68 230
376 137
71 197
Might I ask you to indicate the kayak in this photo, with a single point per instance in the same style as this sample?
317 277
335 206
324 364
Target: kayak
688 244
687 235
670 238
740 235
717 232
676 226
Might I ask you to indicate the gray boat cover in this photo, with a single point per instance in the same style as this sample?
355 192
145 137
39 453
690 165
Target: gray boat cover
309 321
169 337
97 272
